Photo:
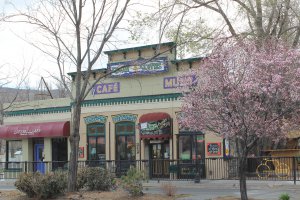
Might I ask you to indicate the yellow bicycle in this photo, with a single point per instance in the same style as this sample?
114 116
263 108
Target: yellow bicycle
264 170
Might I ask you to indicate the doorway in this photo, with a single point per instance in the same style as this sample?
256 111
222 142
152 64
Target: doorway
59 153
159 159
39 156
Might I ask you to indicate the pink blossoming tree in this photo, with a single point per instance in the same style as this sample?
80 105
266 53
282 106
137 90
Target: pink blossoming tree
245 91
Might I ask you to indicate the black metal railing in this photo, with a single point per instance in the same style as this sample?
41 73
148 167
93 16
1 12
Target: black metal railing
258 168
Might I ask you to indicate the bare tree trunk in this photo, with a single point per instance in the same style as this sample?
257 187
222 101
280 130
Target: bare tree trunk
74 143
242 176
2 143
1 114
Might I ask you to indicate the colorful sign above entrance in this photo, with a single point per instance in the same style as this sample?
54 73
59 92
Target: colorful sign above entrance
95 119
156 128
124 117
139 67
174 81
106 88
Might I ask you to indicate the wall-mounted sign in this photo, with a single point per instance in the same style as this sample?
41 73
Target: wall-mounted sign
81 152
124 117
95 119
174 81
139 67
156 127
106 88
214 149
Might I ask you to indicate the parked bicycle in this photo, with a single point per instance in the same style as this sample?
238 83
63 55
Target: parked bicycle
269 167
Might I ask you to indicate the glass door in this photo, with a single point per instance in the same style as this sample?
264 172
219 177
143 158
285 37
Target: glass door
159 160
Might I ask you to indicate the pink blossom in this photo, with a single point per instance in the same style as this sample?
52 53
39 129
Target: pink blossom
244 90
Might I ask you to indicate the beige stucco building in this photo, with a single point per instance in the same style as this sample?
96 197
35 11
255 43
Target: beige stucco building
130 115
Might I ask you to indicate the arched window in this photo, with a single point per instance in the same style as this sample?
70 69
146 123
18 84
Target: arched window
96 141
125 140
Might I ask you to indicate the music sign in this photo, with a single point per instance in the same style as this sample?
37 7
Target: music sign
214 149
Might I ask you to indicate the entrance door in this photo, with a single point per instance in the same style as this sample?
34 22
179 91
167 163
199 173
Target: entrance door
39 158
159 160
59 153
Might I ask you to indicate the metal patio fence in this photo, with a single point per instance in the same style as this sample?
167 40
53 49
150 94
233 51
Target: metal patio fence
258 168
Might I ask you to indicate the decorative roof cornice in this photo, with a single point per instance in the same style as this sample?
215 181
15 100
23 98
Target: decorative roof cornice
187 60
132 100
102 70
98 102
38 111
140 48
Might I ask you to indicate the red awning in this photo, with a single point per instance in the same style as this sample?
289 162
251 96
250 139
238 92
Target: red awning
49 129
154 117
151 117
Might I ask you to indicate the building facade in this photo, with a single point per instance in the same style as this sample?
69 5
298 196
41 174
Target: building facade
130 115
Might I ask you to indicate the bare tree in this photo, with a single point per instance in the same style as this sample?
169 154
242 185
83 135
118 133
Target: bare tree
75 34
195 23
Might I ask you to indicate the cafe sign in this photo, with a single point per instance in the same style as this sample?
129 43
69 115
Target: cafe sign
139 67
106 88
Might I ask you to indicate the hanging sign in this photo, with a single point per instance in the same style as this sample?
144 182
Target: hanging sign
139 67
214 149
226 148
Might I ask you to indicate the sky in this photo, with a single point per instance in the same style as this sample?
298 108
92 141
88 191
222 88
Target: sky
18 55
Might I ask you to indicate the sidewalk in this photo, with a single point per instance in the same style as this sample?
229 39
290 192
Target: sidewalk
226 184
251 184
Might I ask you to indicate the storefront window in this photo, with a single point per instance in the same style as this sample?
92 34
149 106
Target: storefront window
14 151
191 146
96 141
125 141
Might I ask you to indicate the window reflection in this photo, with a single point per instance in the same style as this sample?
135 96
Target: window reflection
96 141
125 141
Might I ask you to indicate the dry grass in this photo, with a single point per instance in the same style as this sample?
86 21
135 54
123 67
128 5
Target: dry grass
86 195
169 189
230 198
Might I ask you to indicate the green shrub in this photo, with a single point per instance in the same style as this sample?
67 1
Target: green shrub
133 182
42 186
96 178
284 196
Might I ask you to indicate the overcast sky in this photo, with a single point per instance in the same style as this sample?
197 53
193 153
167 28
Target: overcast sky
17 54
